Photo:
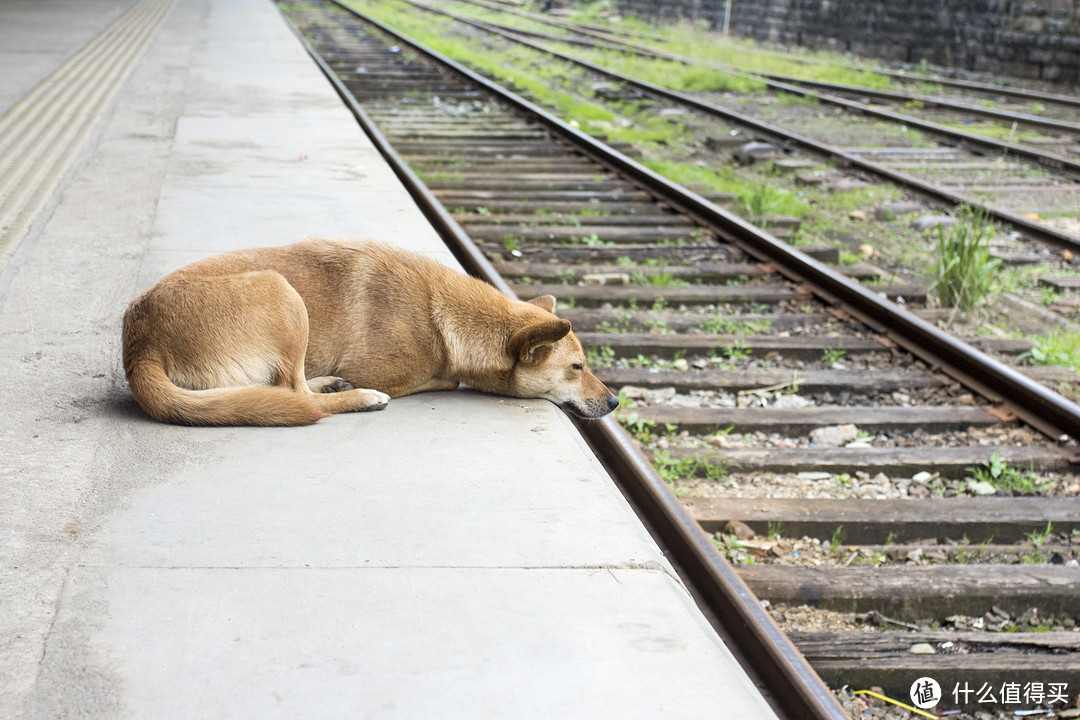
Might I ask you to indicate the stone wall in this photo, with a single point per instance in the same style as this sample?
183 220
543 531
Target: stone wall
1018 38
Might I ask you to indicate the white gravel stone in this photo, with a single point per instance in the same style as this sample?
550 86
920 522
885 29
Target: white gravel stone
634 392
834 435
810 475
660 395
980 487
925 222
791 401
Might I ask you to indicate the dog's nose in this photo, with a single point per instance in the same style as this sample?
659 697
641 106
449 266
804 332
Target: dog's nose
612 402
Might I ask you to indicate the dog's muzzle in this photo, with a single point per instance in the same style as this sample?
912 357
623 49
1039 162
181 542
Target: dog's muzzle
594 410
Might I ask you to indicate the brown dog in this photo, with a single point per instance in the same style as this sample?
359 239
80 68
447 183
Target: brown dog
232 339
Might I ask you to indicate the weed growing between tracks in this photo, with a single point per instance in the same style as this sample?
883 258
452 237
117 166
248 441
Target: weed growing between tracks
757 198
1002 476
964 268
1061 349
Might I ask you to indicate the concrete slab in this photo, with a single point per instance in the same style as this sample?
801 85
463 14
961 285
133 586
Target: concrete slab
408 642
453 555
394 488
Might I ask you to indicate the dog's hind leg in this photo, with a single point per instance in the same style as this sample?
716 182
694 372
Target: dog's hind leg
355 400
335 395
330 394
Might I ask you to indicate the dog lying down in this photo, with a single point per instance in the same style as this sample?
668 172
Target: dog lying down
289 335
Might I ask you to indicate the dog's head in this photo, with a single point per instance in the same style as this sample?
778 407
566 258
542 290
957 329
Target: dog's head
549 363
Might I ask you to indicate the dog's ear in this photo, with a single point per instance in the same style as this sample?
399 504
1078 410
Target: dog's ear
533 342
545 302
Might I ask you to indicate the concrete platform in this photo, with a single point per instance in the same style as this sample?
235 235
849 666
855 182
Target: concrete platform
455 555
33 42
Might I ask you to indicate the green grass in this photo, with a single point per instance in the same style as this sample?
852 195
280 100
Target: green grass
849 258
639 427
831 355
1040 538
664 279
996 132
671 470
861 198
736 353
1002 476
721 325
567 276
694 41
787 98
964 269
757 198
761 200
589 111
671 74
836 540
623 325
1060 348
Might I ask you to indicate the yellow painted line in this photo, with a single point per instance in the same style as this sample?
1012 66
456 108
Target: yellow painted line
42 134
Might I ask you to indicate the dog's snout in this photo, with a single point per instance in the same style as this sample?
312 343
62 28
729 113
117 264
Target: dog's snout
612 402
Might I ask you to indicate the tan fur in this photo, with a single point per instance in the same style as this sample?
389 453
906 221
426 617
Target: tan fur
252 337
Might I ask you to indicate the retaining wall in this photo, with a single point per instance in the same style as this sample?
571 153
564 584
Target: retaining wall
1018 38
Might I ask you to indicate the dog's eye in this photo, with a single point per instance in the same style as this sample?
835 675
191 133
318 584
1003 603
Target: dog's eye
577 366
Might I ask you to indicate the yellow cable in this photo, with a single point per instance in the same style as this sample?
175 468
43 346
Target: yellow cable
917 711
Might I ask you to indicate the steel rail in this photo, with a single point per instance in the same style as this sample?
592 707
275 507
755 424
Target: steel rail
1019 93
795 690
917 76
928 100
841 156
1052 160
1037 405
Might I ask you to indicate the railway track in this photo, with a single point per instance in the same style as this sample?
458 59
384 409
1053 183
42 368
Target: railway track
777 397
1055 110
1018 181
947 90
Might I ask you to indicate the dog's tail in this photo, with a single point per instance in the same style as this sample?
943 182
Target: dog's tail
247 405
